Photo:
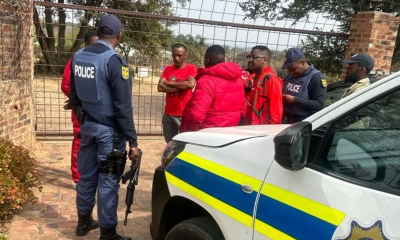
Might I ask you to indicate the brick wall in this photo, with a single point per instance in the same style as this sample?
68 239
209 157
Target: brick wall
16 73
373 33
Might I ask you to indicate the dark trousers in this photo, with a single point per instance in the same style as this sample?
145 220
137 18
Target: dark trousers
171 125
96 144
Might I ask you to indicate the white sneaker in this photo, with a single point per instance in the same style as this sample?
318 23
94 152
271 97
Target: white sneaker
74 186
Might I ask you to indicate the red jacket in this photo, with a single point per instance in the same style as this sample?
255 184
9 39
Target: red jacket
265 99
218 99
65 83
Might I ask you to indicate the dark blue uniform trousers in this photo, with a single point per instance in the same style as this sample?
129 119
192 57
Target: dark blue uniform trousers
96 144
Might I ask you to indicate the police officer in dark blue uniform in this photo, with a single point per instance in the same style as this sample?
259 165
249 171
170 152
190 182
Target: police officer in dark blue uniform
101 95
304 89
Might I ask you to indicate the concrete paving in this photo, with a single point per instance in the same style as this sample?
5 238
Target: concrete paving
54 216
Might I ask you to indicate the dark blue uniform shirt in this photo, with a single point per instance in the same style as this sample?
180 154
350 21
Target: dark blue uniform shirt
317 93
121 91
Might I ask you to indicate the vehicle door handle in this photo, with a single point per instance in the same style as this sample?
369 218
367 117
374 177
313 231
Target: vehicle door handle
247 189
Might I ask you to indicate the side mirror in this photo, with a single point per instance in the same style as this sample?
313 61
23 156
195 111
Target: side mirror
292 146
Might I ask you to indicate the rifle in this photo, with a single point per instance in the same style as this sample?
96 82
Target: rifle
133 176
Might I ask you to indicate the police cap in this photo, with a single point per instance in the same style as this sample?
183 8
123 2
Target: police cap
292 55
112 22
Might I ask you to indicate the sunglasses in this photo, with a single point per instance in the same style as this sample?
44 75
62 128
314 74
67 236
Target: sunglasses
251 57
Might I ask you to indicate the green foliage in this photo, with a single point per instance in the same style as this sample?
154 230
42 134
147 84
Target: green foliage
18 176
146 36
196 47
326 53
339 10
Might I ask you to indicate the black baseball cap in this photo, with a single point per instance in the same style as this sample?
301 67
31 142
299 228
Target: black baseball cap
112 22
363 59
292 55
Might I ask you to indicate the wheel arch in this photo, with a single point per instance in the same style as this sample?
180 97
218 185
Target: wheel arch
179 209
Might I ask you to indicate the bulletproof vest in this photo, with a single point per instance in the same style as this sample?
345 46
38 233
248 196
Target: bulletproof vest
90 74
298 87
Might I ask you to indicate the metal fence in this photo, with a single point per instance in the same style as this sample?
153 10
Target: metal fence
201 23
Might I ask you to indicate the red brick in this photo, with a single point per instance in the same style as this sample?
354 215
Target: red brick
24 115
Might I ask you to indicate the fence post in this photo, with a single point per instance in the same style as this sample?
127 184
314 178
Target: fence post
373 33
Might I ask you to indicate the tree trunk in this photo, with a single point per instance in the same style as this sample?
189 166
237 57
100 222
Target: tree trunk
61 35
82 31
41 36
84 25
50 39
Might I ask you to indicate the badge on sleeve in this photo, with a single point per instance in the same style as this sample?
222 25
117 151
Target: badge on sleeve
324 82
125 73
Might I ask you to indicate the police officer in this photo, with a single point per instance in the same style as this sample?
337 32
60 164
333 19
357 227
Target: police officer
304 89
101 96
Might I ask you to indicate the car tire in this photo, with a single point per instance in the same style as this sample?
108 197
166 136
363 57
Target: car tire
201 228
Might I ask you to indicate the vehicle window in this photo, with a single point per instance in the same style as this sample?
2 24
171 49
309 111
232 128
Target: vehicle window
335 95
366 144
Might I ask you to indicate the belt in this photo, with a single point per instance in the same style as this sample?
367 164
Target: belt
90 119
290 120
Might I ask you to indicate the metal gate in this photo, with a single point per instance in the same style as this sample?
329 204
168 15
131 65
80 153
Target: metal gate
200 22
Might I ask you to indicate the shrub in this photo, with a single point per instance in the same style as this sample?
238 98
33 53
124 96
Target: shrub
18 177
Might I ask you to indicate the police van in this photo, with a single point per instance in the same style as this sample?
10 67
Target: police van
335 175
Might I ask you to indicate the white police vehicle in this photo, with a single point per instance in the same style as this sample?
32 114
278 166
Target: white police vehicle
336 175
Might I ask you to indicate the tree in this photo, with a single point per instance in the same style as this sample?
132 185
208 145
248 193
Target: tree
140 33
326 53
339 10
196 47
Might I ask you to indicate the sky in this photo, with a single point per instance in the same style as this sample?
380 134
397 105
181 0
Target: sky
230 11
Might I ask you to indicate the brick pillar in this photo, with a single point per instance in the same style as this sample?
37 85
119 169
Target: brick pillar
373 33
17 113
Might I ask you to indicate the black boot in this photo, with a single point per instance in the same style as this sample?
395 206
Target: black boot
85 224
111 234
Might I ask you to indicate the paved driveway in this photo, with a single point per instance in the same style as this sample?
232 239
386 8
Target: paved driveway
55 216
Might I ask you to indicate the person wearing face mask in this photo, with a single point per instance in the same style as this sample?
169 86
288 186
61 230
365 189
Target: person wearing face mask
359 66
304 89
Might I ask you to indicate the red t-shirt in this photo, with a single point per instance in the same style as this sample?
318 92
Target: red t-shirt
175 102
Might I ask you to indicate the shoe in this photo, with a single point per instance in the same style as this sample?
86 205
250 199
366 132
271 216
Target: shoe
74 185
85 224
111 234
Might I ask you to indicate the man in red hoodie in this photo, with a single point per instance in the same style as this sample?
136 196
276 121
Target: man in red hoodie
265 97
90 38
218 99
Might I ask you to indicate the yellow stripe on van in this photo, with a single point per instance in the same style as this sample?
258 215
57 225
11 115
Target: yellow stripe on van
210 200
222 171
306 205
271 232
